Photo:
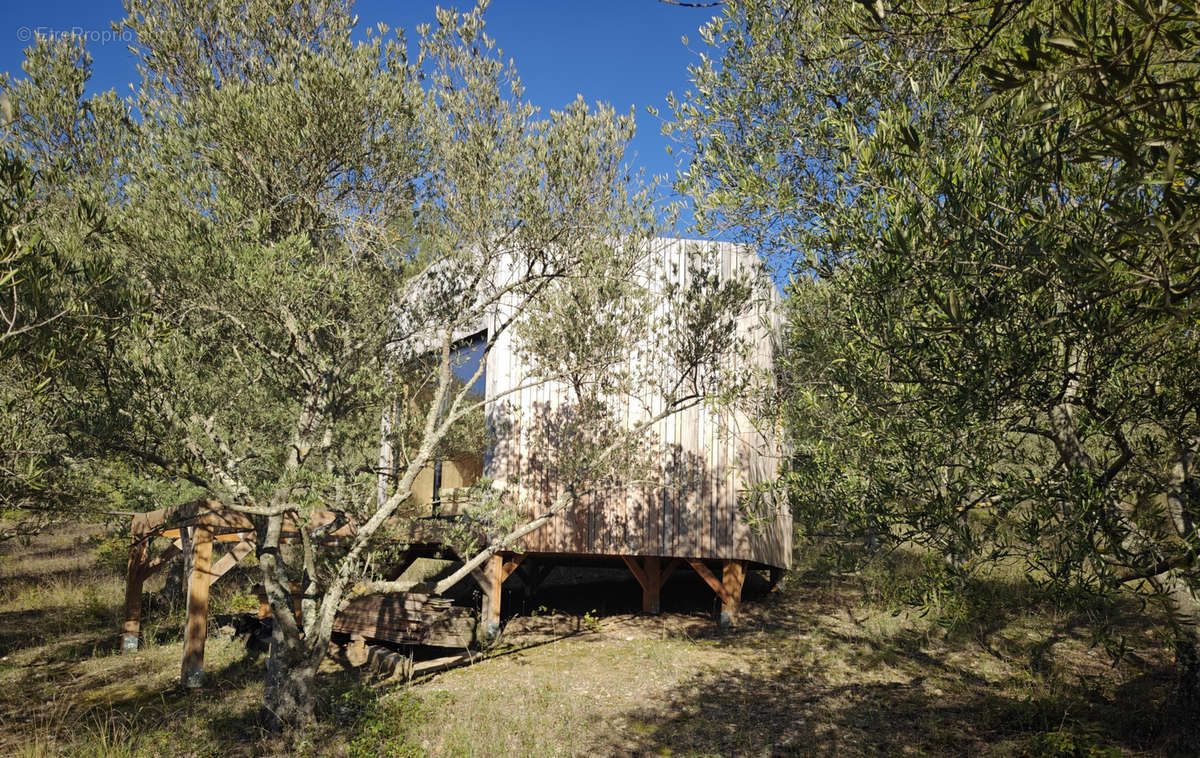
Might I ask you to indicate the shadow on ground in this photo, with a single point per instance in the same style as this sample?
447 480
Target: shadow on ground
822 681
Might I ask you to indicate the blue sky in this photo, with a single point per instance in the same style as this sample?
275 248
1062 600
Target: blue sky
623 52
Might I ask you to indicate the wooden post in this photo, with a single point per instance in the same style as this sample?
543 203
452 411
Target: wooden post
491 598
732 579
652 591
135 575
491 576
196 628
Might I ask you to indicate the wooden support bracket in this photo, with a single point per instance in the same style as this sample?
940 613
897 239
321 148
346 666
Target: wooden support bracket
165 557
231 559
714 584
511 564
650 575
636 570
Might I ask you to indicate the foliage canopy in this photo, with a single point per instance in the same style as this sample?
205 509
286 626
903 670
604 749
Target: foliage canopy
992 210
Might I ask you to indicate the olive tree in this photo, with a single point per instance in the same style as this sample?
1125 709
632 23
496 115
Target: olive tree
312 224
63 296
992 213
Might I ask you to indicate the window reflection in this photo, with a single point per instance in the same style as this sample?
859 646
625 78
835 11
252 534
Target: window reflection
459 459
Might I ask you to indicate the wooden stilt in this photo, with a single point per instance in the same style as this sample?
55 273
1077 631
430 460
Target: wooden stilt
196 629
491 576
488 576
135 575
728 588
652 592
732 579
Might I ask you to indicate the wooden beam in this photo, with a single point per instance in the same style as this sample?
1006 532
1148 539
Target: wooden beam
135 575
732 578
196 628
226 523
237 536
231 559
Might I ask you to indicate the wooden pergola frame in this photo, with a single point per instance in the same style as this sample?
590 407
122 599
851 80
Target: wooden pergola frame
195 526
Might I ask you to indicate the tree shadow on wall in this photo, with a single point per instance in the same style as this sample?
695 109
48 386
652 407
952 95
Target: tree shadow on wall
650 497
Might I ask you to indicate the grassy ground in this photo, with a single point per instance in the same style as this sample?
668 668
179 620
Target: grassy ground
820 668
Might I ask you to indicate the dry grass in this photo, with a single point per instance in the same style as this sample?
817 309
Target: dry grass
822 668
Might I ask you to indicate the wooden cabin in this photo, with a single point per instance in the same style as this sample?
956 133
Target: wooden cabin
707 461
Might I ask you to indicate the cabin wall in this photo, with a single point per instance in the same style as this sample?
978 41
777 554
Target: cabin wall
707 459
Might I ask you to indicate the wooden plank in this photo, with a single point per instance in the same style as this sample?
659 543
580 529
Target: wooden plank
674 429
196 629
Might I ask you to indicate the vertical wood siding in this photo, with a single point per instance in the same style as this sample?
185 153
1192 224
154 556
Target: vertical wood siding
709 459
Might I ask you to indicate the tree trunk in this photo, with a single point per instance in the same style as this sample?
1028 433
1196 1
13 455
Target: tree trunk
289 693
1186 622
1187 663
